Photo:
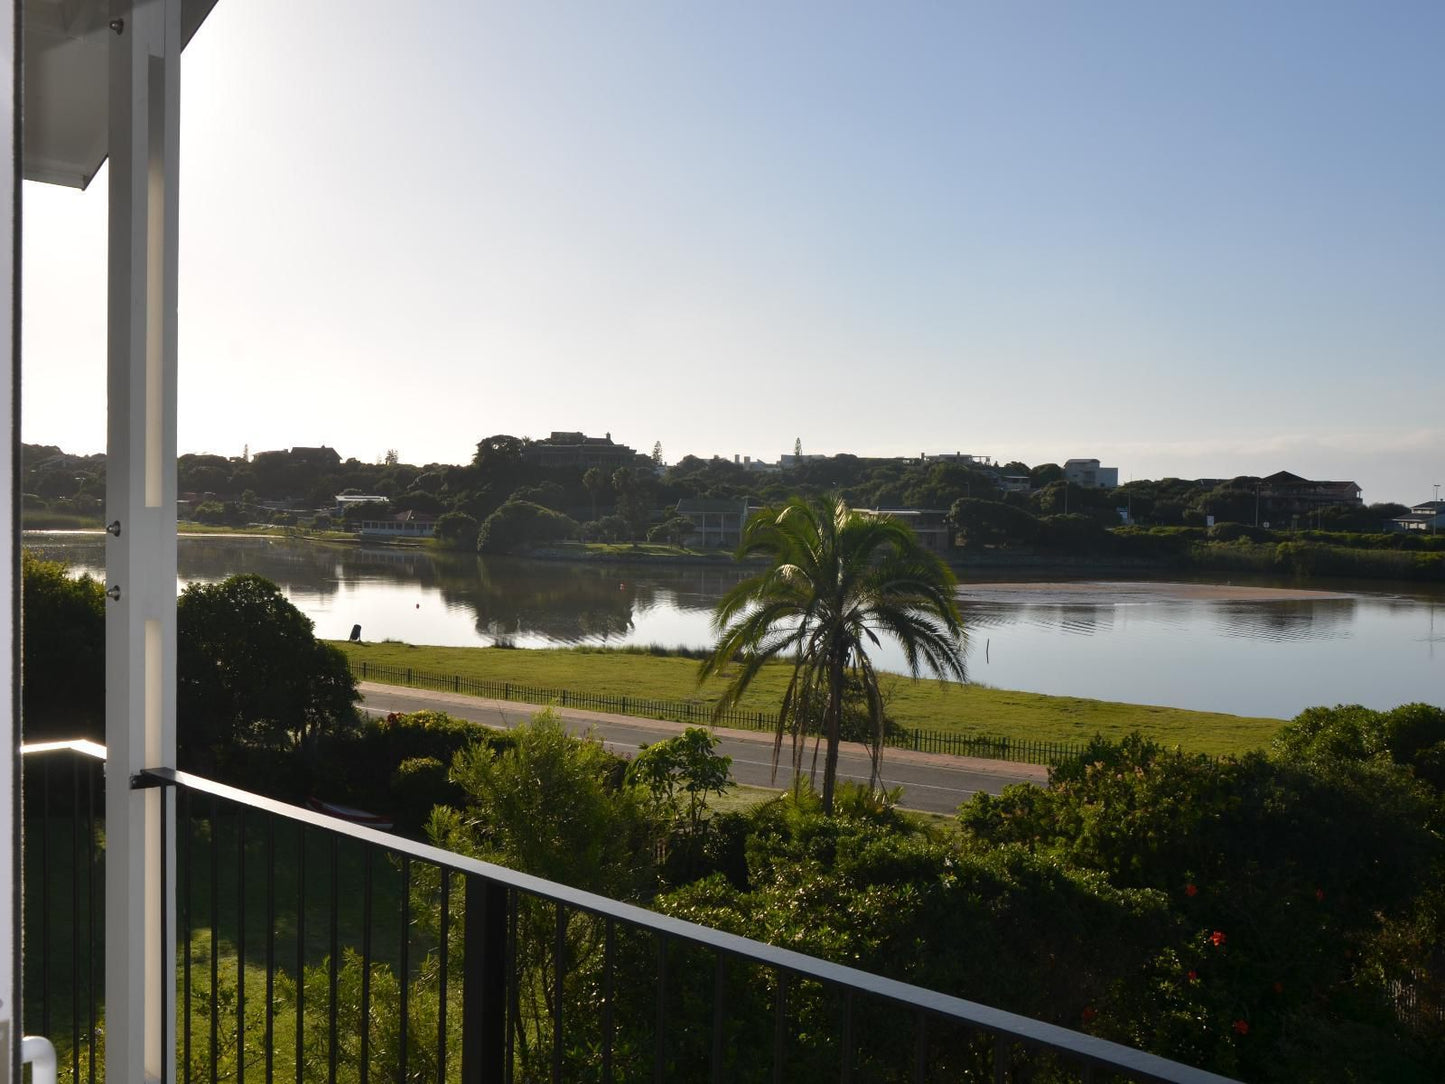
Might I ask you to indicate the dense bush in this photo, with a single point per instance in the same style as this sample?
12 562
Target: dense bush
63 645
517 525
457 531
250 672
1286 877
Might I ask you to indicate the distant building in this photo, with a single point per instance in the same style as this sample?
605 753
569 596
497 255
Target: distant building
787 462
715 523
1289 493
747 462
958 457
563 449
1088 473
401 525
1425 516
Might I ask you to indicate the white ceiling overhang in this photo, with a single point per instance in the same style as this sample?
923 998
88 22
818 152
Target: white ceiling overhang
66 91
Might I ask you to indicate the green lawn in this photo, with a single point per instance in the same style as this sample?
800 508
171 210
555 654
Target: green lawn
926 704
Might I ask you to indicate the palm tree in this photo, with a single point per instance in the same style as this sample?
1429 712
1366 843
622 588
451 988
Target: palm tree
838 578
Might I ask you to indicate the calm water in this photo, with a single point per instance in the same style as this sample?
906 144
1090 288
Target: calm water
1377 644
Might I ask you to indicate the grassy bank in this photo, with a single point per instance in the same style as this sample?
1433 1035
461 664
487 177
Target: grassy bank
926 704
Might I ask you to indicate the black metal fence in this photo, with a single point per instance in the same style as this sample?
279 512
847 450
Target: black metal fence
63 902
313 949
698 712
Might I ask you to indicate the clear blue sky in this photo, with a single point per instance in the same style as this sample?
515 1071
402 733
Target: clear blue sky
1193 239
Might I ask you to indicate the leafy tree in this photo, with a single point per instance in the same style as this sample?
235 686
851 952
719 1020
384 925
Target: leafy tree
595 482
552 805
547 494
250 671
420 501
1044 474
1411 736
63 645
631 500
520 524
549 805
499 454
671 530
355 513
837 580
457 531
657 454
679 773
991 523
610 528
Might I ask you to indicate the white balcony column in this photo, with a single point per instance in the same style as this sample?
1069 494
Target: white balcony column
10 938
141 552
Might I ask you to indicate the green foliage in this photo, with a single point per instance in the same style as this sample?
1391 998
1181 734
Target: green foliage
991 523
516 525
457 531
679 773
837 578
550 805
672 530
1045 474
1231 532
1411 736
608 529
354 514
1005 927
250 672
1282 877
63 646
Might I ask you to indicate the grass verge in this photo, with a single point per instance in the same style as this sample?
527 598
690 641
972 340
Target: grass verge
926 704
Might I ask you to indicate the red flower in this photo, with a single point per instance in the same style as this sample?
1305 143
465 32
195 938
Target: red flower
1191 890
1242 1026
1193 975
1089 1014
1279 987
1319 895
1217 938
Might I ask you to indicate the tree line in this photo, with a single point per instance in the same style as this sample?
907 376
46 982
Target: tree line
633 502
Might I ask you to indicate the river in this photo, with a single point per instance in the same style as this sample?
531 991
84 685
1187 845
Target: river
1250 647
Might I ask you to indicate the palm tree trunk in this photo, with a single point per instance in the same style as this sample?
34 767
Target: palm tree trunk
832 726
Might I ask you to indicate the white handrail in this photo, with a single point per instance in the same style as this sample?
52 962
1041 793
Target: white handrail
40 1054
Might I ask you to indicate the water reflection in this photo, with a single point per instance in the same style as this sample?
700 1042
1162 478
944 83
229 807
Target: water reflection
1369 643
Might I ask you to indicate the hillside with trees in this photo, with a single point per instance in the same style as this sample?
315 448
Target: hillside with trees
533 500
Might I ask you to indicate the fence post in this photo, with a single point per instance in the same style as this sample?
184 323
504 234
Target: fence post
408 675
456 683
363 669
484 982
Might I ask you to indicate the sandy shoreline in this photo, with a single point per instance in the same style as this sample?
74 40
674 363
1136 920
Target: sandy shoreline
1100 592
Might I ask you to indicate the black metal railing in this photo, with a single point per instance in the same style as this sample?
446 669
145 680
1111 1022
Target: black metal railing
314 949
63 902
990 747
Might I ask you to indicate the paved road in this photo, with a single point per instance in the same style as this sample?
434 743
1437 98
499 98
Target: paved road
931 782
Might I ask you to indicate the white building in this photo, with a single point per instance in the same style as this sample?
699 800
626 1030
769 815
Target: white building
1088 473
